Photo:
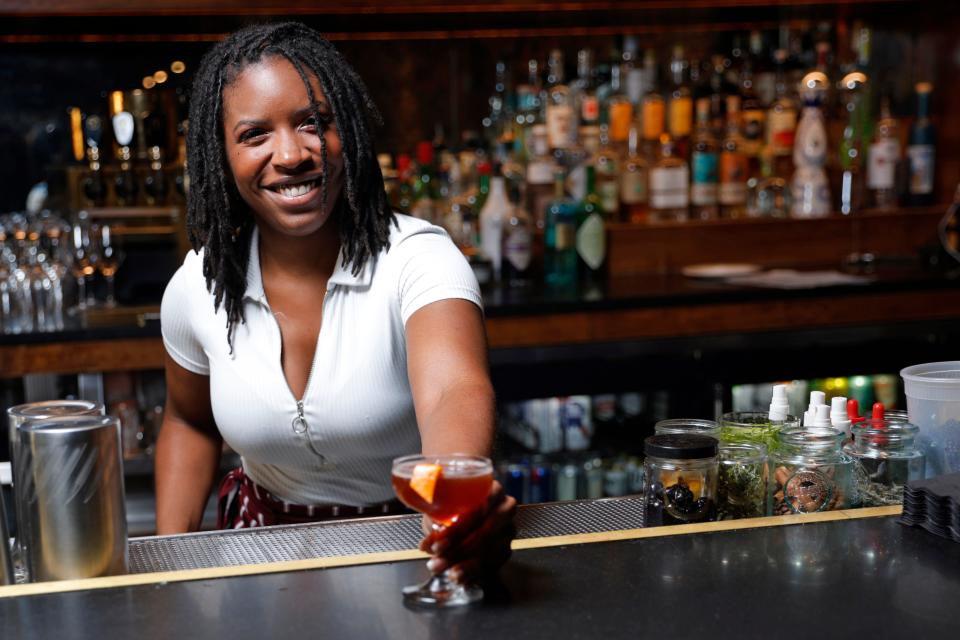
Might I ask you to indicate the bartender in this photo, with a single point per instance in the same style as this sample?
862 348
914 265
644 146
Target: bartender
314 330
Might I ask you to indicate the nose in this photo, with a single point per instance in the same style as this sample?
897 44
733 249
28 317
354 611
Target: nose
290 151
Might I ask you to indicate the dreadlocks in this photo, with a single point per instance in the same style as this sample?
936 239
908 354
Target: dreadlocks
217 217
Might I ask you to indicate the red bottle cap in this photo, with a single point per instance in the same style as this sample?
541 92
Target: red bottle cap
853 411
878 413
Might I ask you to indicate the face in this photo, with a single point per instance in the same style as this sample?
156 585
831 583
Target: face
273 147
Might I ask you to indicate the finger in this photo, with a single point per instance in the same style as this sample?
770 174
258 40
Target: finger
474 533
476 569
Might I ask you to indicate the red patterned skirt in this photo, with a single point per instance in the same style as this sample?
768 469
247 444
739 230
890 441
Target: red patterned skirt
242 504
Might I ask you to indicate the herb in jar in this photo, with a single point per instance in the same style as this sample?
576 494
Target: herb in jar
741 492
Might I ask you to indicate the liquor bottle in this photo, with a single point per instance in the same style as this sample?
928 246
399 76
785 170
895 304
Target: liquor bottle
561 116
851 155
539 176
124 184
733 165
94 185
781 121
764 78
528 104
704 161
498 122
423 195
669 184
619 110
607 166
653 110
632 74
719 90
810 188
680 115
155 182
517 250
494 214
560 254
633 180
753 117
589 103
883 160
591 240
921 150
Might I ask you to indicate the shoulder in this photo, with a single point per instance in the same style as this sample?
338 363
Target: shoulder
188 278
413 229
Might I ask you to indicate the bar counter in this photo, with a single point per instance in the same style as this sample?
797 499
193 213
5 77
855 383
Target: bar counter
818 575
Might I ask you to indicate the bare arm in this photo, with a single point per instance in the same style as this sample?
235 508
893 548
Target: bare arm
447 367
188 452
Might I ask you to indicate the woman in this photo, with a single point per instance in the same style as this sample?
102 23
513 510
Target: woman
313 329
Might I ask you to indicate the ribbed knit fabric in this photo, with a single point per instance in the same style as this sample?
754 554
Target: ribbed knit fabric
357 405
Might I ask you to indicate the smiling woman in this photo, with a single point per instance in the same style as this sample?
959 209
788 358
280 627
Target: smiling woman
313 329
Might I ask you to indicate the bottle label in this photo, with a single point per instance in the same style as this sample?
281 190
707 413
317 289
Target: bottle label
621 114
753 122
589 109
669 187
882 164
491 232
921 168
782 126
633 187
609 192
560 125
652 119
517 248
635 85
704 167
540 172
591 241
564 236
681 116
733 178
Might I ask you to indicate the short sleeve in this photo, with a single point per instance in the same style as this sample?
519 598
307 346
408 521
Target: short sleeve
431 268
179 336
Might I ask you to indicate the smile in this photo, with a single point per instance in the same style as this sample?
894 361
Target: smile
295 190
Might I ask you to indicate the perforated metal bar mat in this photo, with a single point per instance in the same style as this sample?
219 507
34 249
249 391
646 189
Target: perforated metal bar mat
368 535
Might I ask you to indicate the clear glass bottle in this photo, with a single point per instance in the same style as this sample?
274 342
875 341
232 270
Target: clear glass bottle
619 110
680 484
742 481
810 188
496 211
669 184
540 171
561 116
703 161
781 121
607 165
809 472
883 160
921 150
589 103
734 165
633 180
887 458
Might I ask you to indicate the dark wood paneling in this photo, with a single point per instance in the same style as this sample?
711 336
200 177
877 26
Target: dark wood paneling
82 357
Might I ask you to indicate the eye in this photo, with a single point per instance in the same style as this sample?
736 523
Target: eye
249 134
311 122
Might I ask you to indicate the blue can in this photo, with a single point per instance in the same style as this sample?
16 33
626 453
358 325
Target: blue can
541 481
516 482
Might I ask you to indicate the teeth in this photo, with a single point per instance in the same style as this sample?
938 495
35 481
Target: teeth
293 191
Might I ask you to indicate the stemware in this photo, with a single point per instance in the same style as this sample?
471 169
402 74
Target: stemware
444 488
108 263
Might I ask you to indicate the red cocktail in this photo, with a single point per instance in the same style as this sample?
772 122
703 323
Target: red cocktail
443 488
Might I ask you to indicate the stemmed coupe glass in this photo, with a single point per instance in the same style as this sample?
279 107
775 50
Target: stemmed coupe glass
443 488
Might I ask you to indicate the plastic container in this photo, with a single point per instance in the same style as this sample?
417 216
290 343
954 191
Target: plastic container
887 459
753 427
809 472
688 425
680 474
933 403
741 482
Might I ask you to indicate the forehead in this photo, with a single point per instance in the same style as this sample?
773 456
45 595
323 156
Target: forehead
269 85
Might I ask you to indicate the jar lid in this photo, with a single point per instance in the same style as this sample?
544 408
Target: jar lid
680 446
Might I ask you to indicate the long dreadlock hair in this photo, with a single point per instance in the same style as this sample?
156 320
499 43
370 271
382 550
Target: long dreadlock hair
218 219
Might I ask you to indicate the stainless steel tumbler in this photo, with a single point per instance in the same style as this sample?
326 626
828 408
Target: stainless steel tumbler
70 486
38 411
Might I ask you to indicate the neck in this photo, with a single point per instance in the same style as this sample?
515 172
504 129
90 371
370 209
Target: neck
307 257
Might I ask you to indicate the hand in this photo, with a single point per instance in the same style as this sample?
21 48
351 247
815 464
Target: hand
478 543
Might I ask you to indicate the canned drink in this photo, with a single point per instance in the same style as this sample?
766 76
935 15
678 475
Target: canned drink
567 480
592 479
516 482
615 482
541 481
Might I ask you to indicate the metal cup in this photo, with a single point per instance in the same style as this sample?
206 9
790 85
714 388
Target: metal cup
38 411
70 486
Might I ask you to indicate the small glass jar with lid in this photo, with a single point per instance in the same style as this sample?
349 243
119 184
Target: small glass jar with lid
680 474
754 427
741 481
688 425
809 472
887 458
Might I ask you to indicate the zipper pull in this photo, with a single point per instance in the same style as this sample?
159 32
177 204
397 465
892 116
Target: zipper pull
300 423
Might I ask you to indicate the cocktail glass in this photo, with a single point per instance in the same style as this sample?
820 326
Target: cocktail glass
443 488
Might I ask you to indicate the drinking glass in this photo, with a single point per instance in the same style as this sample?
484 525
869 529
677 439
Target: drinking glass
109 262
443 488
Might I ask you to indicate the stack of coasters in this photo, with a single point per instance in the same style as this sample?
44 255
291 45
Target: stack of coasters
934 504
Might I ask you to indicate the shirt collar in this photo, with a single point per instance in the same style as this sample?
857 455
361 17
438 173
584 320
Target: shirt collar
342 275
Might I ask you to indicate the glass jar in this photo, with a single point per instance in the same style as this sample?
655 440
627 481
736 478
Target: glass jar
754 427
741 481
887 458
688 425
809 472
680 474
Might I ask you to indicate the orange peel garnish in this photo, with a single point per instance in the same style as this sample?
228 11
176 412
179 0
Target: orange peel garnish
424 480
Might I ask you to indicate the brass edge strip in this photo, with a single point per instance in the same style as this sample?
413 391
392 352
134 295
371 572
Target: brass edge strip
412 554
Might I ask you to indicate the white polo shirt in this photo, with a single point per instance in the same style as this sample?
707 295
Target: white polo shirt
357 406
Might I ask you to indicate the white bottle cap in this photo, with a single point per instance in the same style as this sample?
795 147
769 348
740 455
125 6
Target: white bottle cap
817 398
822 418
779 407
838 408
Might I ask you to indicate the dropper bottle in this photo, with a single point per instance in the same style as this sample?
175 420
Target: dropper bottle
779 406
838 415
817 398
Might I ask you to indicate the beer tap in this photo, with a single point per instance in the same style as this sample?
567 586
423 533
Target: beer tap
125 185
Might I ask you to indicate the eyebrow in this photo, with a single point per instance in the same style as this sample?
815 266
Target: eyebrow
322 107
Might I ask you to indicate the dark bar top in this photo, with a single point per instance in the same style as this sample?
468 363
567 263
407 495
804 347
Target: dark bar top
864 578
